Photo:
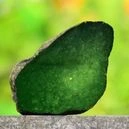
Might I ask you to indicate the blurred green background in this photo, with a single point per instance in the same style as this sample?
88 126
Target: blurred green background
26 24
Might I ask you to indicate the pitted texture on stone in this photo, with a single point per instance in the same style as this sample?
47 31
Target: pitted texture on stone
64 122
68 75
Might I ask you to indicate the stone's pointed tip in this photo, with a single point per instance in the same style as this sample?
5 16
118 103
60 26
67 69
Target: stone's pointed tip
97 23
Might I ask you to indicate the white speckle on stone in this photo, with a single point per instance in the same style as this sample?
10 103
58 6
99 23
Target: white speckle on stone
70 78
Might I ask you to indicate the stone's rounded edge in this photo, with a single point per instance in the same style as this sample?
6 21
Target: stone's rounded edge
64 122
14 73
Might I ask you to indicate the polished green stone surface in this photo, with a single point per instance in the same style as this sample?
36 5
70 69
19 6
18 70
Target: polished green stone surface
69 75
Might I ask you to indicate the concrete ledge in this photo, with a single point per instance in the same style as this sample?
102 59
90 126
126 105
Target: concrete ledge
64 122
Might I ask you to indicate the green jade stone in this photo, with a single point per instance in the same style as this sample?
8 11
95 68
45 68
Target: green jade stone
67 75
